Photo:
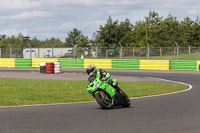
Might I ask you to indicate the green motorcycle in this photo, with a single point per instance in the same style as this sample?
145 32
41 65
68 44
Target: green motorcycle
106 95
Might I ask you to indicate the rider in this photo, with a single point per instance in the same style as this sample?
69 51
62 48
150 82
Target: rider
103 75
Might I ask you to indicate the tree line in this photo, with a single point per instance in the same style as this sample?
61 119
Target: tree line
154 29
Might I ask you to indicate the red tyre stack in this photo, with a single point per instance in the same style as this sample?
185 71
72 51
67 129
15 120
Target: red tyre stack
49 68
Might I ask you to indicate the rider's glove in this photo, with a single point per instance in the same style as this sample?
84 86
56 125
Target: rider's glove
114 84
103 79
109 81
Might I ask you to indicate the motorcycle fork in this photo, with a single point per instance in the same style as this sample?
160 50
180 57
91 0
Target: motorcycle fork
102 93
115 99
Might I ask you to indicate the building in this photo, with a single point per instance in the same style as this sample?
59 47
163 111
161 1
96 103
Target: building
47 52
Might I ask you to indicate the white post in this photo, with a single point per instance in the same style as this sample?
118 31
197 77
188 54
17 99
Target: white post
30 51
148 54
0 52
177 51
74 50
10 50
52 50
160 51
189 50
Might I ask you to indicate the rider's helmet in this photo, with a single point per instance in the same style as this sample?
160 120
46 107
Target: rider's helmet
91 70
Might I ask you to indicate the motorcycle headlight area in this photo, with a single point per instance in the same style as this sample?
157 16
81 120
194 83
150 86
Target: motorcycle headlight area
90 91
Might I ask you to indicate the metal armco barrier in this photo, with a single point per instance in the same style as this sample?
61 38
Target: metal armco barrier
36 62
26 63
7 62
125 64
71 63
184 65
99 63
187 65
154 64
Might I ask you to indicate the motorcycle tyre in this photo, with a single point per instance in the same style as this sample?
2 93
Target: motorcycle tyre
125 101
101 103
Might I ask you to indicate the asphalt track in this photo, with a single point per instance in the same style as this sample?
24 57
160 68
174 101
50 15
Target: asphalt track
176 113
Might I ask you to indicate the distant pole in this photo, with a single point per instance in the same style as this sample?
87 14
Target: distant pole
30 50
121 51
74 50
177 50
52 50
160 51
96 52
38 52
10 50
189 49
26 38
148 54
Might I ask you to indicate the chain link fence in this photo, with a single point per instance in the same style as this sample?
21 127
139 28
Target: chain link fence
183 53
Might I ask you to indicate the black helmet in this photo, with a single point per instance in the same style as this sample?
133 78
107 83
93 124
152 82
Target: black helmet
91 70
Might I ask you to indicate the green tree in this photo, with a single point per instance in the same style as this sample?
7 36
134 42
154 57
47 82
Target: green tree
125 33
153 22
196 33
113 33
76 37
138 34
186 30
108 35
169 31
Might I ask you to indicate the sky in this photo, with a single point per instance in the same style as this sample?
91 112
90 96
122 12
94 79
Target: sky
56 18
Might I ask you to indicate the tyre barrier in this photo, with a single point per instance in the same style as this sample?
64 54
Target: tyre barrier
57 67
49 68
43 67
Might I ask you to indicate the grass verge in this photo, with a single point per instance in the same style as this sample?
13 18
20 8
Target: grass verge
14 92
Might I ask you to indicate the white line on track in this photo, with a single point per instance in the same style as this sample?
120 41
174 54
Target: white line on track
178 82
189 88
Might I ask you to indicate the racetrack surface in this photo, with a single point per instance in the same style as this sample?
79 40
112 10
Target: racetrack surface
177 113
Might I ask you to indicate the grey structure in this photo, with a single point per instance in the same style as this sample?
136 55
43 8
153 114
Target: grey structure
46 52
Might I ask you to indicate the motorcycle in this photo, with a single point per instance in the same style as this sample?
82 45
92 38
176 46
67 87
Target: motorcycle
106 95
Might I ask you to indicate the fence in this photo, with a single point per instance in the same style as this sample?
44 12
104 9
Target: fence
171 53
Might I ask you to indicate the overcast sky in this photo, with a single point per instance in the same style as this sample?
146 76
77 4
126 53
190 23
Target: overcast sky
55 18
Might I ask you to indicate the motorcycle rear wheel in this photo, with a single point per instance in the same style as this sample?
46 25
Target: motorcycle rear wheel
104 100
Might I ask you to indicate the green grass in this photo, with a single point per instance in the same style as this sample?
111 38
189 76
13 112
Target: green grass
192 56
15 92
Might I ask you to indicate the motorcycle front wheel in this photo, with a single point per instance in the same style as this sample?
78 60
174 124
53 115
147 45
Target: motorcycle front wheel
103 99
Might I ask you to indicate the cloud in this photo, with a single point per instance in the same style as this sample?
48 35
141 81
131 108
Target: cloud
68 25
10 32
26 15
9 5
192 12
48 18
73 2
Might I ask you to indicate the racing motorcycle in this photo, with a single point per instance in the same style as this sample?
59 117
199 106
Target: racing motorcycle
106 95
